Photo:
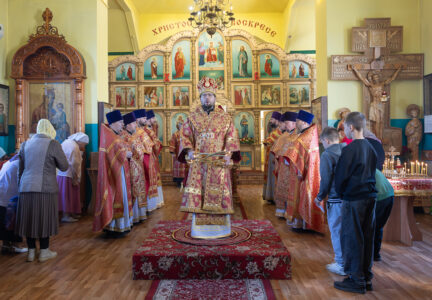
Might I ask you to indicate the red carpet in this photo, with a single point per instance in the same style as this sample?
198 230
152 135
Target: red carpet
211 289
262 256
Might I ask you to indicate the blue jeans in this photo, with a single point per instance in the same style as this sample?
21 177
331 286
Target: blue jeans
334 220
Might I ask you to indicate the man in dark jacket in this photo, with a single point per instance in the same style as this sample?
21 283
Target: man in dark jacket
329 158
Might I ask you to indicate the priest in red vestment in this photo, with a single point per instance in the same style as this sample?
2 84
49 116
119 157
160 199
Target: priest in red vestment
269 179
304 159
179 169
113 206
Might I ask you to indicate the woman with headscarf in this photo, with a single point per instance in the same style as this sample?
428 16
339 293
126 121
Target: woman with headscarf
37 213
68 182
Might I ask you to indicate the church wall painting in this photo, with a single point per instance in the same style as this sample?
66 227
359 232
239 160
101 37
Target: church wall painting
210 50
299 94
298 70
270 95
178 117
4 109
217 75
241 60
154 96
245 125
180 96
269 66
125 97
242 95
154 68
160 121
181 61
52 101
126 72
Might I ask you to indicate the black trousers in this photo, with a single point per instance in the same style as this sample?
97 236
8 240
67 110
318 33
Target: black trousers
357 240
7 235
44 243
382 213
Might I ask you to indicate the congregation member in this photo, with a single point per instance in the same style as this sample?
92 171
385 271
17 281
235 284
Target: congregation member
37 212
157 194
355 185
269 178
69 181
113 207
8 201
378 147
282 170
137 174
328 161
303 155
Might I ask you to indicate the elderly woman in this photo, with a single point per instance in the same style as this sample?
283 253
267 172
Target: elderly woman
37 213
68 182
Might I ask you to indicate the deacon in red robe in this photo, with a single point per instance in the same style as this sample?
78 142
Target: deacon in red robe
269 179
304 159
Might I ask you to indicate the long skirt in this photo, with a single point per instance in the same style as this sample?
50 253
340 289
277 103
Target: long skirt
37 215
69 196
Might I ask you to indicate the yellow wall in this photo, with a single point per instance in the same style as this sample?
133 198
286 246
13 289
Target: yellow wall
341 16
301 28
119 38
81 22
426 30
321 47
154 28
3 41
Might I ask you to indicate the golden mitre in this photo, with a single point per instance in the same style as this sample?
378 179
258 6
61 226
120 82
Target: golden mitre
207 84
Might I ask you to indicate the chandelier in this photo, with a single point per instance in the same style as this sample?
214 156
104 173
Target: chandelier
211 15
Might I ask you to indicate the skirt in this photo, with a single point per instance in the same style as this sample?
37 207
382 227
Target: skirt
37 215
69 196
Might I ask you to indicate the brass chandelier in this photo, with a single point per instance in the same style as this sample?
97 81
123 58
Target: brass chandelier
211 15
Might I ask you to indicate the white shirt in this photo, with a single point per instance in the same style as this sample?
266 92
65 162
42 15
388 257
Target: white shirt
73 155
8 182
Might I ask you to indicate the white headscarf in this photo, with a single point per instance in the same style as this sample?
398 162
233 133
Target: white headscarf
45 127
79 137
2 152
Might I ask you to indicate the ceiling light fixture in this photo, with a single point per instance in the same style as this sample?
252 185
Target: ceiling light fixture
211 15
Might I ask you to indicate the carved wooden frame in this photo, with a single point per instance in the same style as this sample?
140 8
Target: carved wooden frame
72 70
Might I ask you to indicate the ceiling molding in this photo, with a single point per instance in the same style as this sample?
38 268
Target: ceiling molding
130 13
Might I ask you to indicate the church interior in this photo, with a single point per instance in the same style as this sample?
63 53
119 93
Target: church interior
239 198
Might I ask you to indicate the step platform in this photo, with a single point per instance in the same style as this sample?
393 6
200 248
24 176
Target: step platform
262 256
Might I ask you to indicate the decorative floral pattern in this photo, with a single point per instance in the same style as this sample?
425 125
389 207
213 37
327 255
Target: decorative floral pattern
212 289
262 256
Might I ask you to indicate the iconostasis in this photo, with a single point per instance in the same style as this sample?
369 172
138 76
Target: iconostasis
254 79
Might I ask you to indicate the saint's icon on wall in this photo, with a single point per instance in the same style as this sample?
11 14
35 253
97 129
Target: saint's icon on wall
4 109
180 117
181 61
299 94
298 69
126 97
181 96
160 126
245 125
217 75
53 102
243 95
210 50
154 96
270 95
126 72
269 66
153 68
241 59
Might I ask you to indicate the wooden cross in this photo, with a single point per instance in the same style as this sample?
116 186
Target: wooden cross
392 152
377 40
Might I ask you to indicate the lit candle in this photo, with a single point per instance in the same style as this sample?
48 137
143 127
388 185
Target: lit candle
412 168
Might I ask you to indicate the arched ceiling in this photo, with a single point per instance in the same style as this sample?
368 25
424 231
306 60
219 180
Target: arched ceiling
182 6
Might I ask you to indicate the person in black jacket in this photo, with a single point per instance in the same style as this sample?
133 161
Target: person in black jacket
355 184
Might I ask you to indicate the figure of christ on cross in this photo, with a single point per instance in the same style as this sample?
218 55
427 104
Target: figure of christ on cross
376 90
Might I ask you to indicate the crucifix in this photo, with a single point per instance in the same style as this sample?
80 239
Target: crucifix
376 68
